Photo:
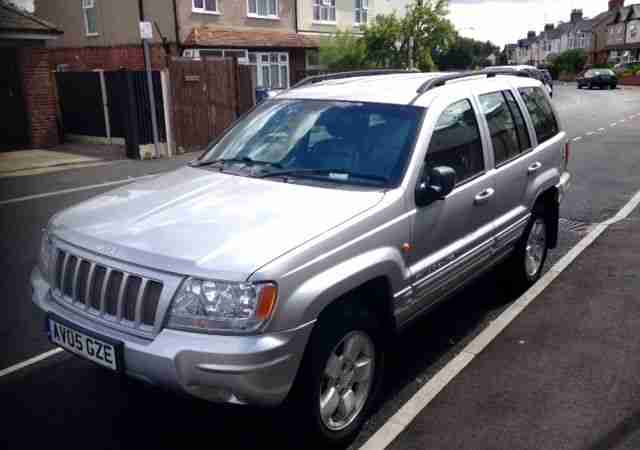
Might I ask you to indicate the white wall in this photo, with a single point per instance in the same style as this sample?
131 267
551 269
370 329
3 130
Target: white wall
391 6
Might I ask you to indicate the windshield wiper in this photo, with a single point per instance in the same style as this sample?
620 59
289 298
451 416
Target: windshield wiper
245 159
340 174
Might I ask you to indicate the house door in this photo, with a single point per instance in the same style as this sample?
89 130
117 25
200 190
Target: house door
13 126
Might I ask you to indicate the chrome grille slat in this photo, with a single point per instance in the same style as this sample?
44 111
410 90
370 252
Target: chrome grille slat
123 286
103 293
139 301
74 282
63 272
87 293
122 298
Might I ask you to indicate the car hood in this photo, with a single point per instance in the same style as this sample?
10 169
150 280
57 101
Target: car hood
203 223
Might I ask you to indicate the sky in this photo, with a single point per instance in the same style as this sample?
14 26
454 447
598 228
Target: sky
506 21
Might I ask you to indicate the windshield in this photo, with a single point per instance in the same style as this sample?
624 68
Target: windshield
343 142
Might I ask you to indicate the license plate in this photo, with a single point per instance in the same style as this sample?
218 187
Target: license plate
90 347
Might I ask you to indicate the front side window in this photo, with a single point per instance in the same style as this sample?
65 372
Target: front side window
541 112
263 8
362 11
334 141
205 6
90 17
324 10
456 142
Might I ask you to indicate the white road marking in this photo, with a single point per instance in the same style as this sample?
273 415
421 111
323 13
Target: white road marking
29 362
613 124
71 190
591 133
577 138
405 415
600 129
623 120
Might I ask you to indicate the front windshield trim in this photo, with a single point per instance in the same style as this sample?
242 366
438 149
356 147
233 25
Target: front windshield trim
394 182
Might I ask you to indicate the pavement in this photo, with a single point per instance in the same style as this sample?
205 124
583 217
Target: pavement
64 401
34 162
563 375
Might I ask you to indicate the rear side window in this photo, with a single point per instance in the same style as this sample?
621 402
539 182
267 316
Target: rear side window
521 127
456 142
544 121
502 127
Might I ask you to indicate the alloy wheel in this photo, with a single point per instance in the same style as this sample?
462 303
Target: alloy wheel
536 247
347 380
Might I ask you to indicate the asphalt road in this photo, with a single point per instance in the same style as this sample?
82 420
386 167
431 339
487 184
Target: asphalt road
64 401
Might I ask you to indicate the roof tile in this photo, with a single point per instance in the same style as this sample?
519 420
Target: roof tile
209 36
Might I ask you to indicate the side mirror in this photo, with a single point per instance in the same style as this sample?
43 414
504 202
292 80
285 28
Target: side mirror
435 185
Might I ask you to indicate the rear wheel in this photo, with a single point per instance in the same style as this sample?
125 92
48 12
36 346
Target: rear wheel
530 254
339 378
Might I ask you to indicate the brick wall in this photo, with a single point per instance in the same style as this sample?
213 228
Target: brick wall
40 102
107 58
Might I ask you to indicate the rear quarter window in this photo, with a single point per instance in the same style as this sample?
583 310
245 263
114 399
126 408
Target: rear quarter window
541 112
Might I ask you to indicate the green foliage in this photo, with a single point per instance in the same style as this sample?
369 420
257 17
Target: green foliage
426 28
393 42
465 53
380 40
570 62
631 71
344 51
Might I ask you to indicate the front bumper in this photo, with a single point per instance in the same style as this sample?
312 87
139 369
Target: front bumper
563 185
257 369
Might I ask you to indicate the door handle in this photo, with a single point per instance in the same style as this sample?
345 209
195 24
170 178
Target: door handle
484 196
533 168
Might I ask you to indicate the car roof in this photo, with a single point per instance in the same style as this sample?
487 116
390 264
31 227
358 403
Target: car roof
398 89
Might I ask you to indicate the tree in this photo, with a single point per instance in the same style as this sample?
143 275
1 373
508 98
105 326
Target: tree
344 51
570 62
425 28
465 53
380 40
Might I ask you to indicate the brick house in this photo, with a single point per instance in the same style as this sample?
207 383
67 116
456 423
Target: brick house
623 41
104 34
260 33
26 87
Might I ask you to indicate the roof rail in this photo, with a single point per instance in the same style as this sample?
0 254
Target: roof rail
342 75
443 79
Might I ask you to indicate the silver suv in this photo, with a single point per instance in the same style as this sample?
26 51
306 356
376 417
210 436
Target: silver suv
280 264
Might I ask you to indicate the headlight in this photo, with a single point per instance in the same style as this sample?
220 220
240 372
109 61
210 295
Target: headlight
45 259
205 305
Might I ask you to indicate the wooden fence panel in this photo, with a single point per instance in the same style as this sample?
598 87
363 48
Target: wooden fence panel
206 97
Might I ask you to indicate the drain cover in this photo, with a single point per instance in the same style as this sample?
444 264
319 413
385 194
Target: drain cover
575 226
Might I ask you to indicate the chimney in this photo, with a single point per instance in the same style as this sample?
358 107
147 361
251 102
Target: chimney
576 15
549 27
531 34
615 4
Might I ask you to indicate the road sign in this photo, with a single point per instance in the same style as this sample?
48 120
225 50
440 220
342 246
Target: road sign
146 30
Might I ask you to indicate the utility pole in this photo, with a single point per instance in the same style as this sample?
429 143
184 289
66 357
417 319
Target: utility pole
146 34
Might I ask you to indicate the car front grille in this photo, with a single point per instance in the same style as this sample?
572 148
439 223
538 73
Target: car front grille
112 294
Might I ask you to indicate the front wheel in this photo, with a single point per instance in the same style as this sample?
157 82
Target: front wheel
339 378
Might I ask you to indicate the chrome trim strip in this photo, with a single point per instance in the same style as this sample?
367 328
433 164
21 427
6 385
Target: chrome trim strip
512 232
139 301
123 287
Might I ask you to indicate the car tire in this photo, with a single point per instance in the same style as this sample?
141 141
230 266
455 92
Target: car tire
530 254
328 344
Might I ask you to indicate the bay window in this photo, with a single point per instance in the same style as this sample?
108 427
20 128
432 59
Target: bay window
263 8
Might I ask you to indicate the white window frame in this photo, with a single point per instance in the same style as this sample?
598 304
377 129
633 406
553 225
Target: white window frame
328 5
86 6
256 15
204 9
363 10
259 65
